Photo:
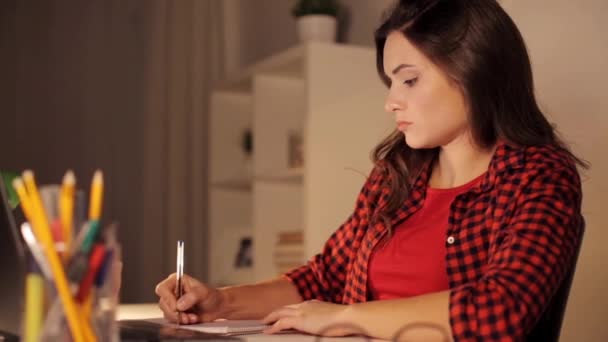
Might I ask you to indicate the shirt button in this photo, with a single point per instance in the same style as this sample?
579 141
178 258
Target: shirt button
450 240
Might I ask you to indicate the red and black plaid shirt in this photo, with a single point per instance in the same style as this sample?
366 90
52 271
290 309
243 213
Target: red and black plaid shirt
510 241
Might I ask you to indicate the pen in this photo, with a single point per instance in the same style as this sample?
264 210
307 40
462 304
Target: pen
98 253
36 250
77 266
34 299
49 195
179 273
34 304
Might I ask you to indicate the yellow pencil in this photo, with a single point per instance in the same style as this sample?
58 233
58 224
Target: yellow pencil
95 201
95 205
41 229
24 200
66 208
87 305
87 330
96 197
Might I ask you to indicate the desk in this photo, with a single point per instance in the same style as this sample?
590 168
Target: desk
147 311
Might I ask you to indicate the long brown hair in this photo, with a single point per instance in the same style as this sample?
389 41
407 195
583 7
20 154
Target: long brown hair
476 44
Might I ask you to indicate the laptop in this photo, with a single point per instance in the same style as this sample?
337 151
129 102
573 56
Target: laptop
12 266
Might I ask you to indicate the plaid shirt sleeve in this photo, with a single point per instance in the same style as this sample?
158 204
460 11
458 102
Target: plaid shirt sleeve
323 277
527 261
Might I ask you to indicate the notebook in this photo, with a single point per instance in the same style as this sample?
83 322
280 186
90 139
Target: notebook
149 330
222 327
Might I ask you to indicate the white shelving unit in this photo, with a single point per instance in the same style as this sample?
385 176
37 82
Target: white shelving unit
332 96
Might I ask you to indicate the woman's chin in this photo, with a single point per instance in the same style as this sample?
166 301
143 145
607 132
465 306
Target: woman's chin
414 143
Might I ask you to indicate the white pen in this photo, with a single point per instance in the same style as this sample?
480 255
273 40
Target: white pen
179 274
36 250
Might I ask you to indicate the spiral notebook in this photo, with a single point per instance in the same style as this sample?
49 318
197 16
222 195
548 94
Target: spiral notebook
222 327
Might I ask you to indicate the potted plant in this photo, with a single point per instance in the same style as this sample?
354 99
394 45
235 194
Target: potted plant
316 20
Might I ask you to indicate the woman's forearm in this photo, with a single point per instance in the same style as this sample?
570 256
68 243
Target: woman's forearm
426 315
257 300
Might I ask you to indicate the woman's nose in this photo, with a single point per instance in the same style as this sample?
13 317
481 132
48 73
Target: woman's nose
391 104
389 107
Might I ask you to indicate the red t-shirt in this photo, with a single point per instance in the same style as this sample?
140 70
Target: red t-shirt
412 261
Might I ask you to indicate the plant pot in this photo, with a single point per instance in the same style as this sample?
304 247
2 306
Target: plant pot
317 28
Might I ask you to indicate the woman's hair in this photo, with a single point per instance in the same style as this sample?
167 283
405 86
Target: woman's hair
477 45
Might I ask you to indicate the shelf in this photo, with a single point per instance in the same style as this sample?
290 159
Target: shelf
238 230
288 178
226 241
240 185
294 176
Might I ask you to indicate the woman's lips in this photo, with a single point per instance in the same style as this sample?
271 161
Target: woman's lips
402 125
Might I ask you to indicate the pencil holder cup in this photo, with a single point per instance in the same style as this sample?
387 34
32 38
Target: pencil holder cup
92 276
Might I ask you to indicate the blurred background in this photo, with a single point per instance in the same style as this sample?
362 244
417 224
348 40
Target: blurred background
215 123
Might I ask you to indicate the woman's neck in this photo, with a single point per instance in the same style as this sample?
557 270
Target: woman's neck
458 163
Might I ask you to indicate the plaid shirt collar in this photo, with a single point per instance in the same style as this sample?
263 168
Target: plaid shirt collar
506 157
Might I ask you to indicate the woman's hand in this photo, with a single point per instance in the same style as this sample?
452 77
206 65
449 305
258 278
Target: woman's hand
313 317
200 303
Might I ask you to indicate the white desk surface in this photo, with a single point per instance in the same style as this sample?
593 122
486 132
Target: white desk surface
147 311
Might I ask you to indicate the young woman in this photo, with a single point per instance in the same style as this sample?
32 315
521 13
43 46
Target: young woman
471 216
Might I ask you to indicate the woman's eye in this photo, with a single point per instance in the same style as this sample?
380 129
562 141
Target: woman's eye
411 81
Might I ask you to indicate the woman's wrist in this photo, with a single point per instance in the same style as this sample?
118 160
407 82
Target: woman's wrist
226 307
348 314
344 323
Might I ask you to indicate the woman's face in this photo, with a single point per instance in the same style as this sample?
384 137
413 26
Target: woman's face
429 107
